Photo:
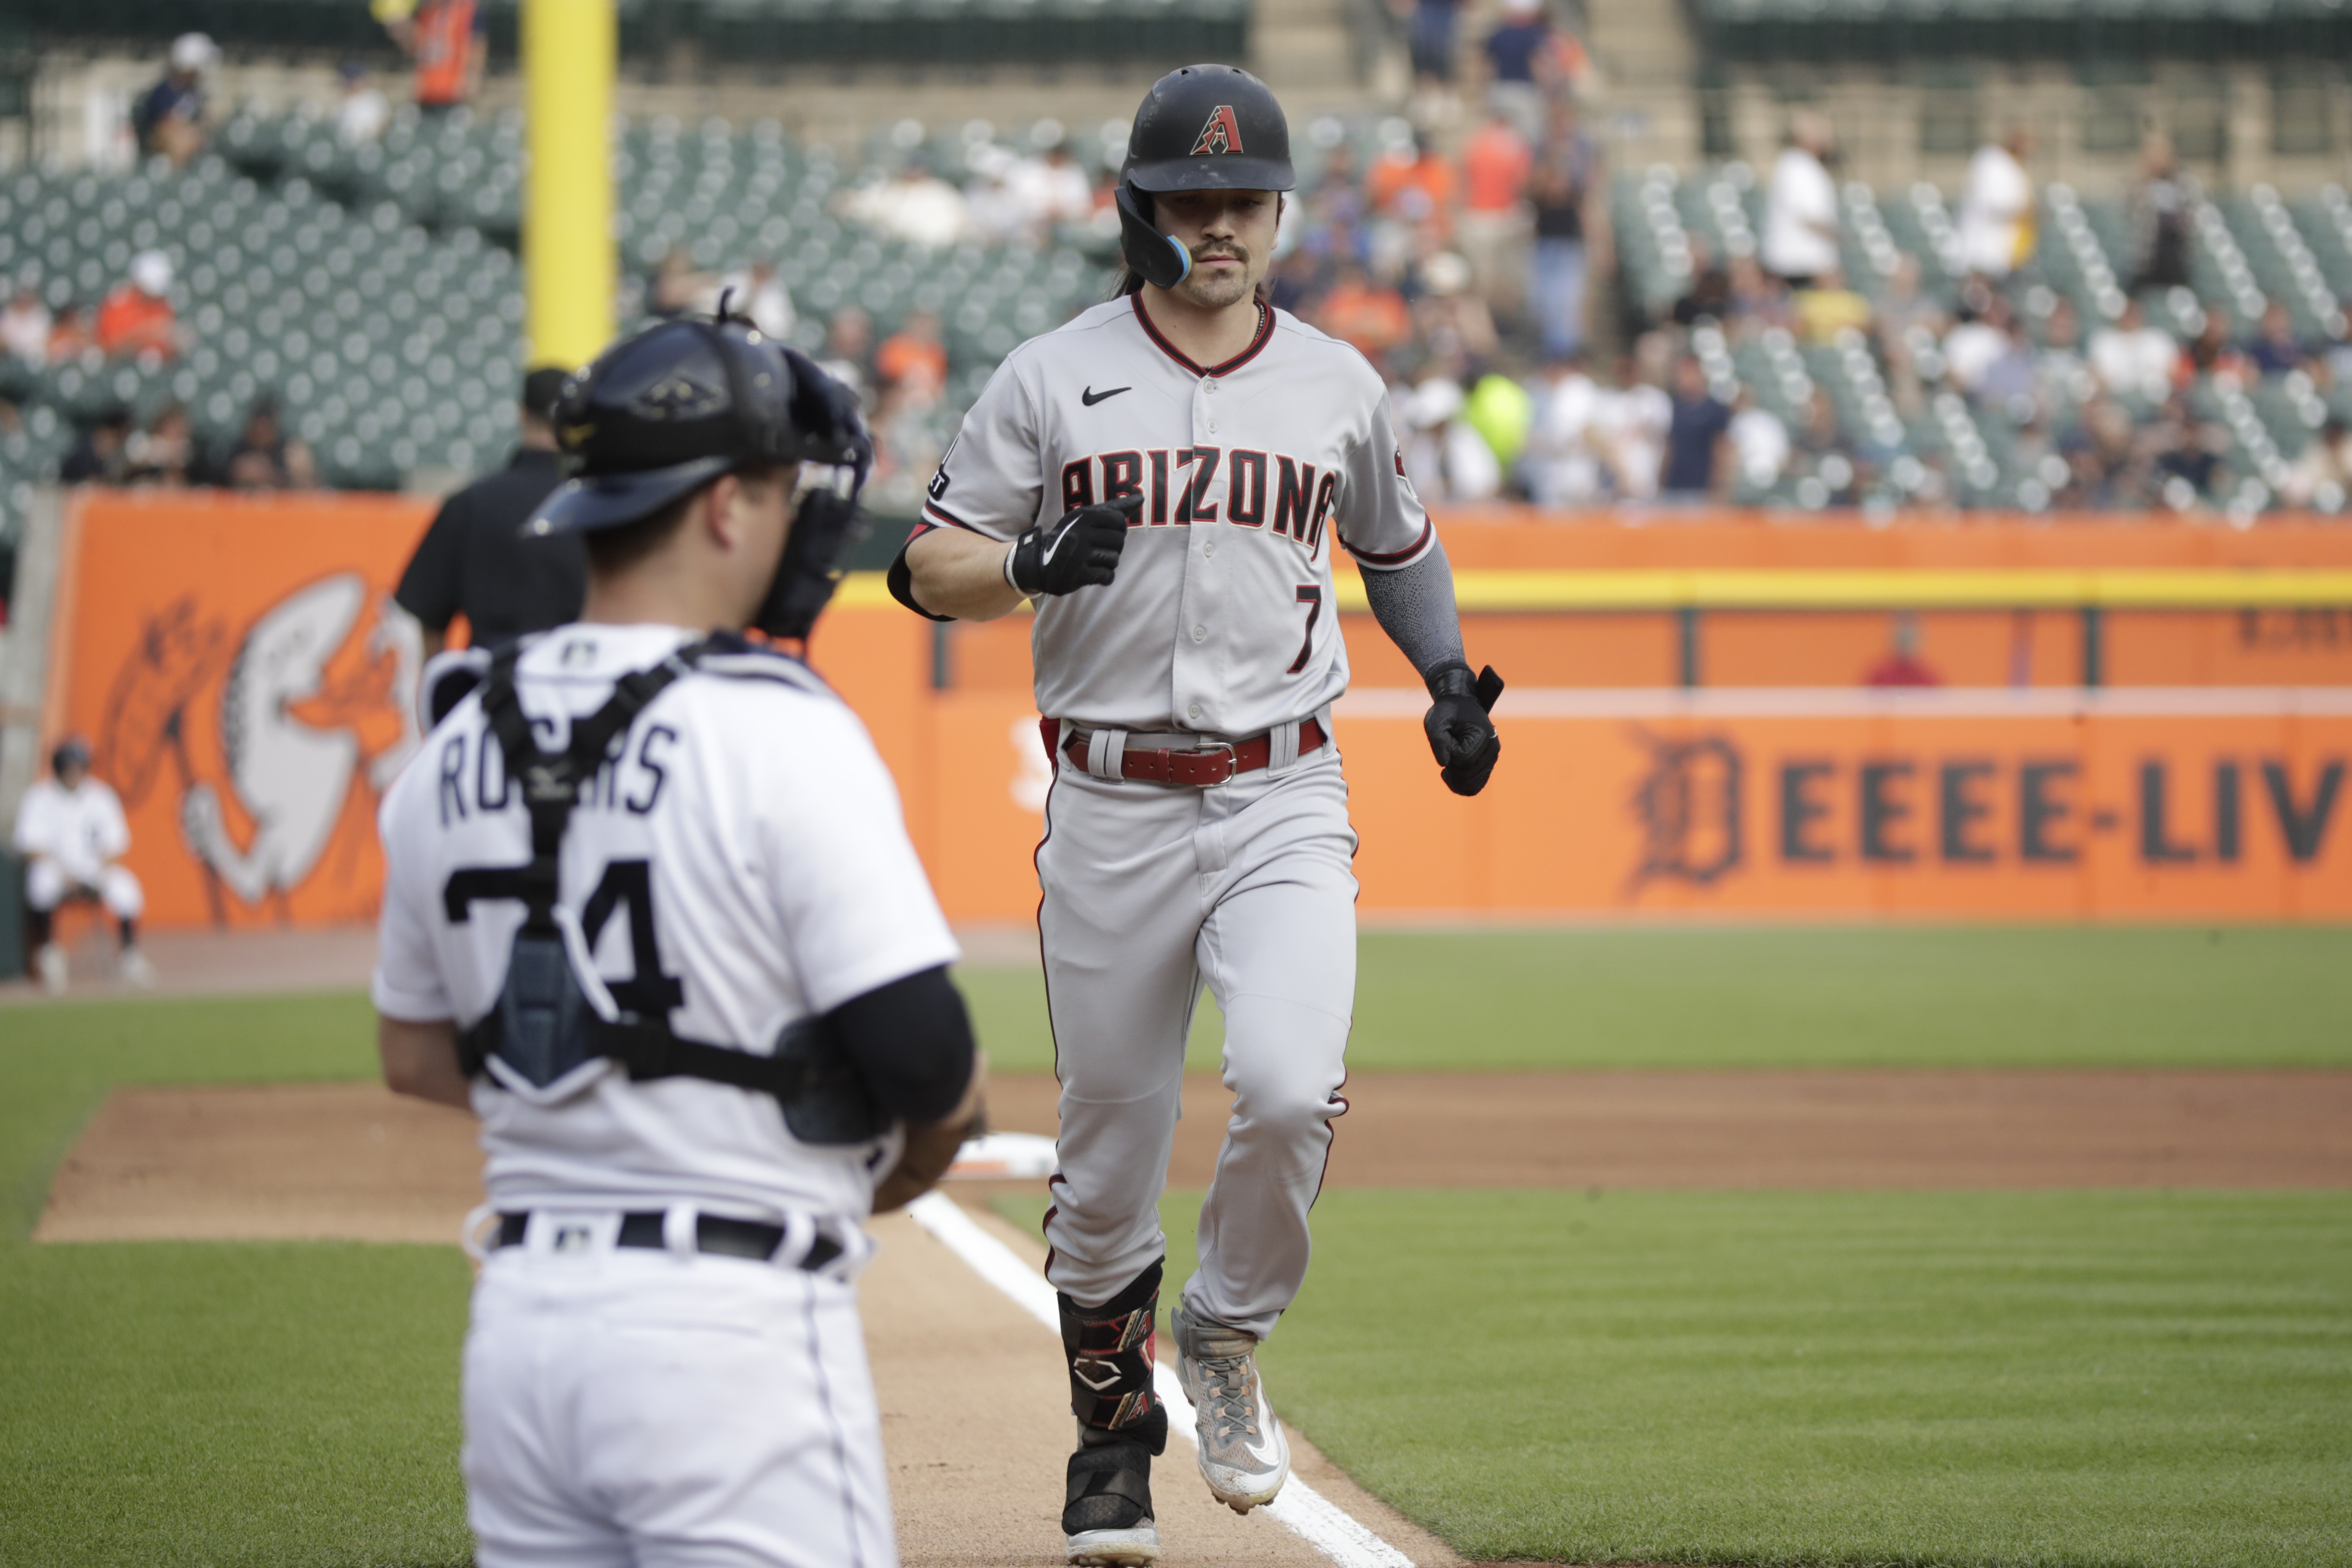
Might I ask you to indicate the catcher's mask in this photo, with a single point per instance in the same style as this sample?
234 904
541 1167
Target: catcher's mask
1200 128
662 413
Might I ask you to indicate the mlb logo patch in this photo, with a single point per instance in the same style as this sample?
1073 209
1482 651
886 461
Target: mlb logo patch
1222 133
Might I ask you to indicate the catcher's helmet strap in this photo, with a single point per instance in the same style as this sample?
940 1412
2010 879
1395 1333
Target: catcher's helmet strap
1160 260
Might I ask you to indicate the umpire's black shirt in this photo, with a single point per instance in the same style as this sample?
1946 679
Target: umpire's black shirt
474 562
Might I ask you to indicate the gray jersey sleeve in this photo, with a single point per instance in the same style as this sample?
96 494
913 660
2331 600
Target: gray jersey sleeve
1414 604
1382 522
991 481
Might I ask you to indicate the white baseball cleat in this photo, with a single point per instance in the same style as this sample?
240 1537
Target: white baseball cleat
1244 1456
49 964
137 973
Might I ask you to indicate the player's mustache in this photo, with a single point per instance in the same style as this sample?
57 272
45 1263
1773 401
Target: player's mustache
1219 250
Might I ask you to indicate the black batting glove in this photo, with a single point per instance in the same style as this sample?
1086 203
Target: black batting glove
1461 737
1078 550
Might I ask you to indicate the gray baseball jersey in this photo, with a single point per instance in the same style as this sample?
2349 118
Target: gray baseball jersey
1221 618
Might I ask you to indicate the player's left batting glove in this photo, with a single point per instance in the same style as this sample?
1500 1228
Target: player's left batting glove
1461 737
1080 549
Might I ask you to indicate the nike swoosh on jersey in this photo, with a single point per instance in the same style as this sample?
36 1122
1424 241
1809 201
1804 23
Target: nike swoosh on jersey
1090 396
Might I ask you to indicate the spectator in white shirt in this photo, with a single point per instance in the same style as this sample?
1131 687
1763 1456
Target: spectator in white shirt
917 206
1759 443
1628 429
1051 190
1561 465
2132 359
360 112
70 830
1997 207
2322 473
1801 206
757 294
25 326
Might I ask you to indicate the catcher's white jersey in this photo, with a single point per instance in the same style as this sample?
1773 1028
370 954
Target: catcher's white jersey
741 866
1221 618
80 828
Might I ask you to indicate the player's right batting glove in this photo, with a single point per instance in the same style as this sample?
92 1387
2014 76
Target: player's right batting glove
1078 550
1461 737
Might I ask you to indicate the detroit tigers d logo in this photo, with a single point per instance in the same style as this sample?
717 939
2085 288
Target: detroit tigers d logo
1222 133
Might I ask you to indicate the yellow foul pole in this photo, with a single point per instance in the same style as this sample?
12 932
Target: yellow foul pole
568 50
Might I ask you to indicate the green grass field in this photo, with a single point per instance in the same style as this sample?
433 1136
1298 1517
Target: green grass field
1862 996
1907 1378
269 1404
2091 1379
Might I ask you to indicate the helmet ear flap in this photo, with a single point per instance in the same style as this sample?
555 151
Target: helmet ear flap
1161 260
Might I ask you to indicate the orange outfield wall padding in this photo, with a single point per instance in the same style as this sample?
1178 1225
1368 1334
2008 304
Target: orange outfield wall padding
231 659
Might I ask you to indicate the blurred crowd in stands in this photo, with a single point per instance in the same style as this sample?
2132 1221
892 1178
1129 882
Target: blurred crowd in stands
1469 269
1465 249
136 320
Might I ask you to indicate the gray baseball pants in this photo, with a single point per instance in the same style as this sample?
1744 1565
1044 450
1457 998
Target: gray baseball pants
1150 890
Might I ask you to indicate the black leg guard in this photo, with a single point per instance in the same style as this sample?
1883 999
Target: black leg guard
1110 1353
1111 1487
38 924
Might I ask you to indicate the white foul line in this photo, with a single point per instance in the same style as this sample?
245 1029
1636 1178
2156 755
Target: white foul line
1310 1515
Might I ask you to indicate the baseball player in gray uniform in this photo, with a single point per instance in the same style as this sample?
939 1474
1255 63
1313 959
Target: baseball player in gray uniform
652 913
1167 477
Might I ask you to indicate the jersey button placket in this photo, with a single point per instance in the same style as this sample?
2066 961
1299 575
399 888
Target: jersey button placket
1193 670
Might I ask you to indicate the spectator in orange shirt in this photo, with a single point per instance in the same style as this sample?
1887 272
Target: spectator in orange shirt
1395 177
1495 228
1362 311
914 360
137 316
444 37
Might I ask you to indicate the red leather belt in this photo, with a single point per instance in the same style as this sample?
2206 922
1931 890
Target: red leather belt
1198 766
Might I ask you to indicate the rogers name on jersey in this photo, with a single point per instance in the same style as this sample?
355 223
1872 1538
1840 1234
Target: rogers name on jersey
632 781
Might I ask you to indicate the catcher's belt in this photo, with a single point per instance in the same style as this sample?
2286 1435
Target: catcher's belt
712 1233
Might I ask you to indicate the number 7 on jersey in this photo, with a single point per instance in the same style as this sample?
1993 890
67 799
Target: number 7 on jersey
1311 595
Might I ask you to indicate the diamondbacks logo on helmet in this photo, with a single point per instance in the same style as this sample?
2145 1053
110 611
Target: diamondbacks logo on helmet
1222 133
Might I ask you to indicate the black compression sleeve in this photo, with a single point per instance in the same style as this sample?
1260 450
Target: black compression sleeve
911 1042
901 579
1414 604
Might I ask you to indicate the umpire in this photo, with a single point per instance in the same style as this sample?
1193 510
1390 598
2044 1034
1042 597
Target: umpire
474 562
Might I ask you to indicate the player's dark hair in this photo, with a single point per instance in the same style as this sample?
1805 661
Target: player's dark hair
614 550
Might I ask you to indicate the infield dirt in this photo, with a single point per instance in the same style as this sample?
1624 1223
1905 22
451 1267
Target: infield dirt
974 1408
350 1161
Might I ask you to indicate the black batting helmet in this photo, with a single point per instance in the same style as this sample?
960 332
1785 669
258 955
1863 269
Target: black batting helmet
664 412
73 752
1199 128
